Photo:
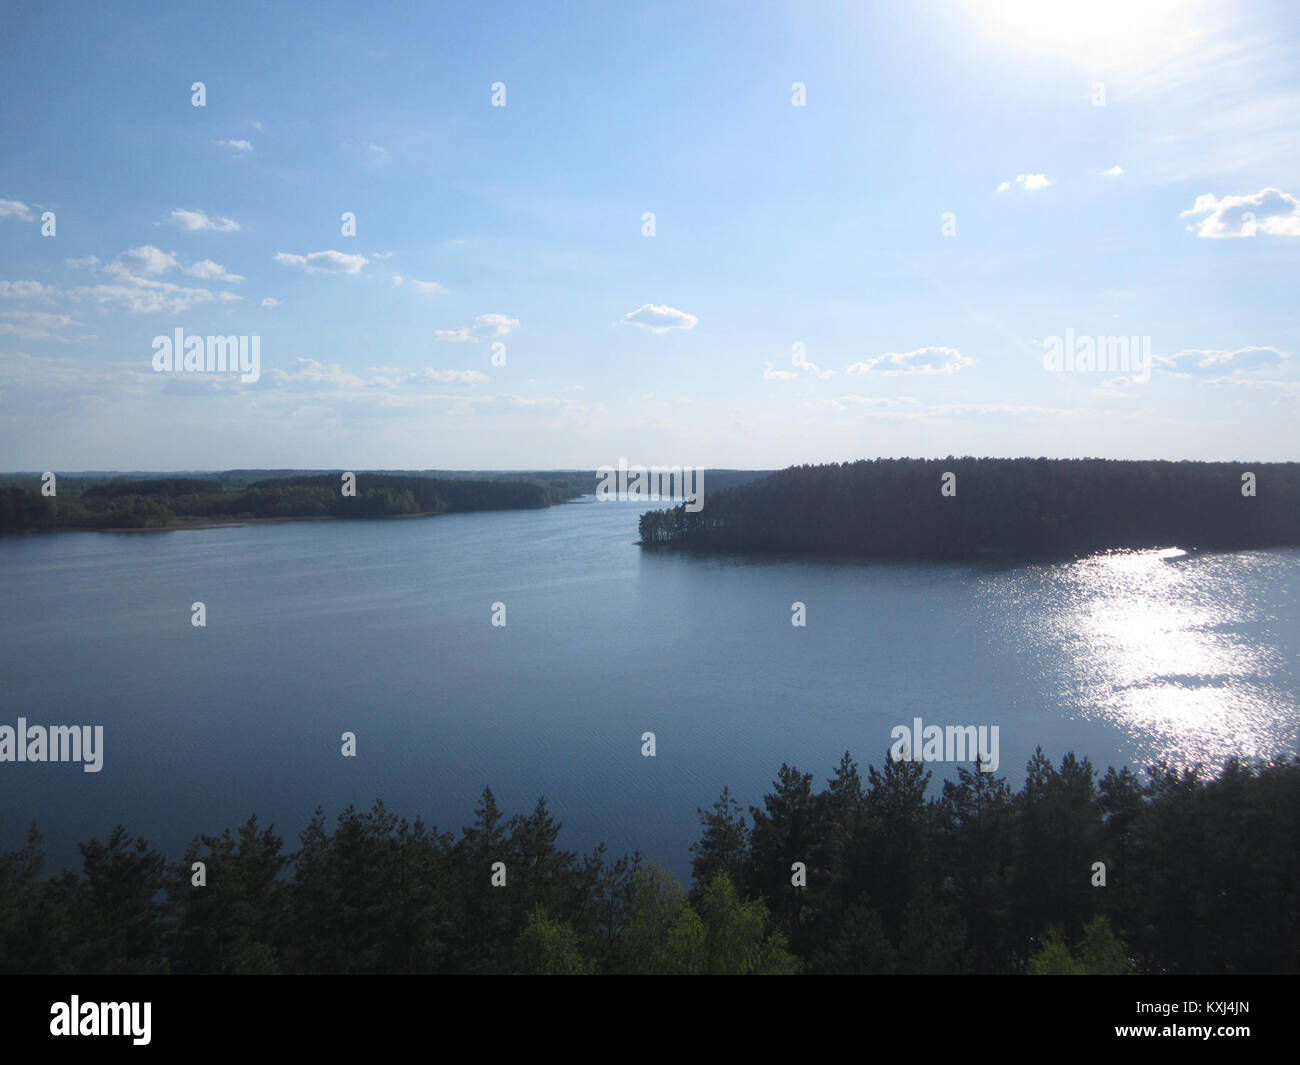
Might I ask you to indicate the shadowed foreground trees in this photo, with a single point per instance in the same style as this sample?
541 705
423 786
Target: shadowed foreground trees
1201 874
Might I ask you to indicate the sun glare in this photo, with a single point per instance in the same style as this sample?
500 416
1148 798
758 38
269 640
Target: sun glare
1103 35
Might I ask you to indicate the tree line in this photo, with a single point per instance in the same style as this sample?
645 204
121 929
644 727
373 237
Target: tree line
1176 872
134 501
157 503
962 508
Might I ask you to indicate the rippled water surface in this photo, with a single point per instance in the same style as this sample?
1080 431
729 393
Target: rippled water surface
383 629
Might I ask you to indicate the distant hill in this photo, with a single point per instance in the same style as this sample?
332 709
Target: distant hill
896 508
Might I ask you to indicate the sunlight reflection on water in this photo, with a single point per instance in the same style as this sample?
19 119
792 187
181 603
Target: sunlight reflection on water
1173 648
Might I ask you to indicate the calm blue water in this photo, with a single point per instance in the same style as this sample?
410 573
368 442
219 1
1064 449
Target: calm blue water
383 629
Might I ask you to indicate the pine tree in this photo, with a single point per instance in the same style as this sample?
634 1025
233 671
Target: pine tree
724 846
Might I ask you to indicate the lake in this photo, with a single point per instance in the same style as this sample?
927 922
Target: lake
384 629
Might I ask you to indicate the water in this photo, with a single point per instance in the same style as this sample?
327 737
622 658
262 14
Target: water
383 629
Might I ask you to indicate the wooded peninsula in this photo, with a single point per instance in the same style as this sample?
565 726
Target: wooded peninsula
966 508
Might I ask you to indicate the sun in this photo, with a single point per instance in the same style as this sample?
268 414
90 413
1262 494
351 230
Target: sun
1102 35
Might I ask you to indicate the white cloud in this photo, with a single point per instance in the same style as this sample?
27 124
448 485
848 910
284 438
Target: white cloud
60 376
773 374
135 287
954 410
429 288
143 295
660 318
907 407
313 374
377 153
324 262
392 375
207 270
24 290
198 220
236 146
1243 360
1114 171
145 261
1269 211
1121 388
15 209
510 403
1027 183
397 279
931 360
1279 388
32 325
485 327
270 301
488 326
229 297
875 403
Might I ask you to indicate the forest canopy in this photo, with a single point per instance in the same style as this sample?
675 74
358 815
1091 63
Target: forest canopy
1177 872
165 502
961 508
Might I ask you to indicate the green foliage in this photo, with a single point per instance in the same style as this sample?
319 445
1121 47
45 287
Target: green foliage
1054 959
1101 953
784 832
550 948
653 907
977 879
727 936
723 848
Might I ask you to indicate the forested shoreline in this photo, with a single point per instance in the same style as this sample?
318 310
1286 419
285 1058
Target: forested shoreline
1201 875
964 508
174 502
118 501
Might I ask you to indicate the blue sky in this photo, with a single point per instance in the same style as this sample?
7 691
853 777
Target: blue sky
1095 163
